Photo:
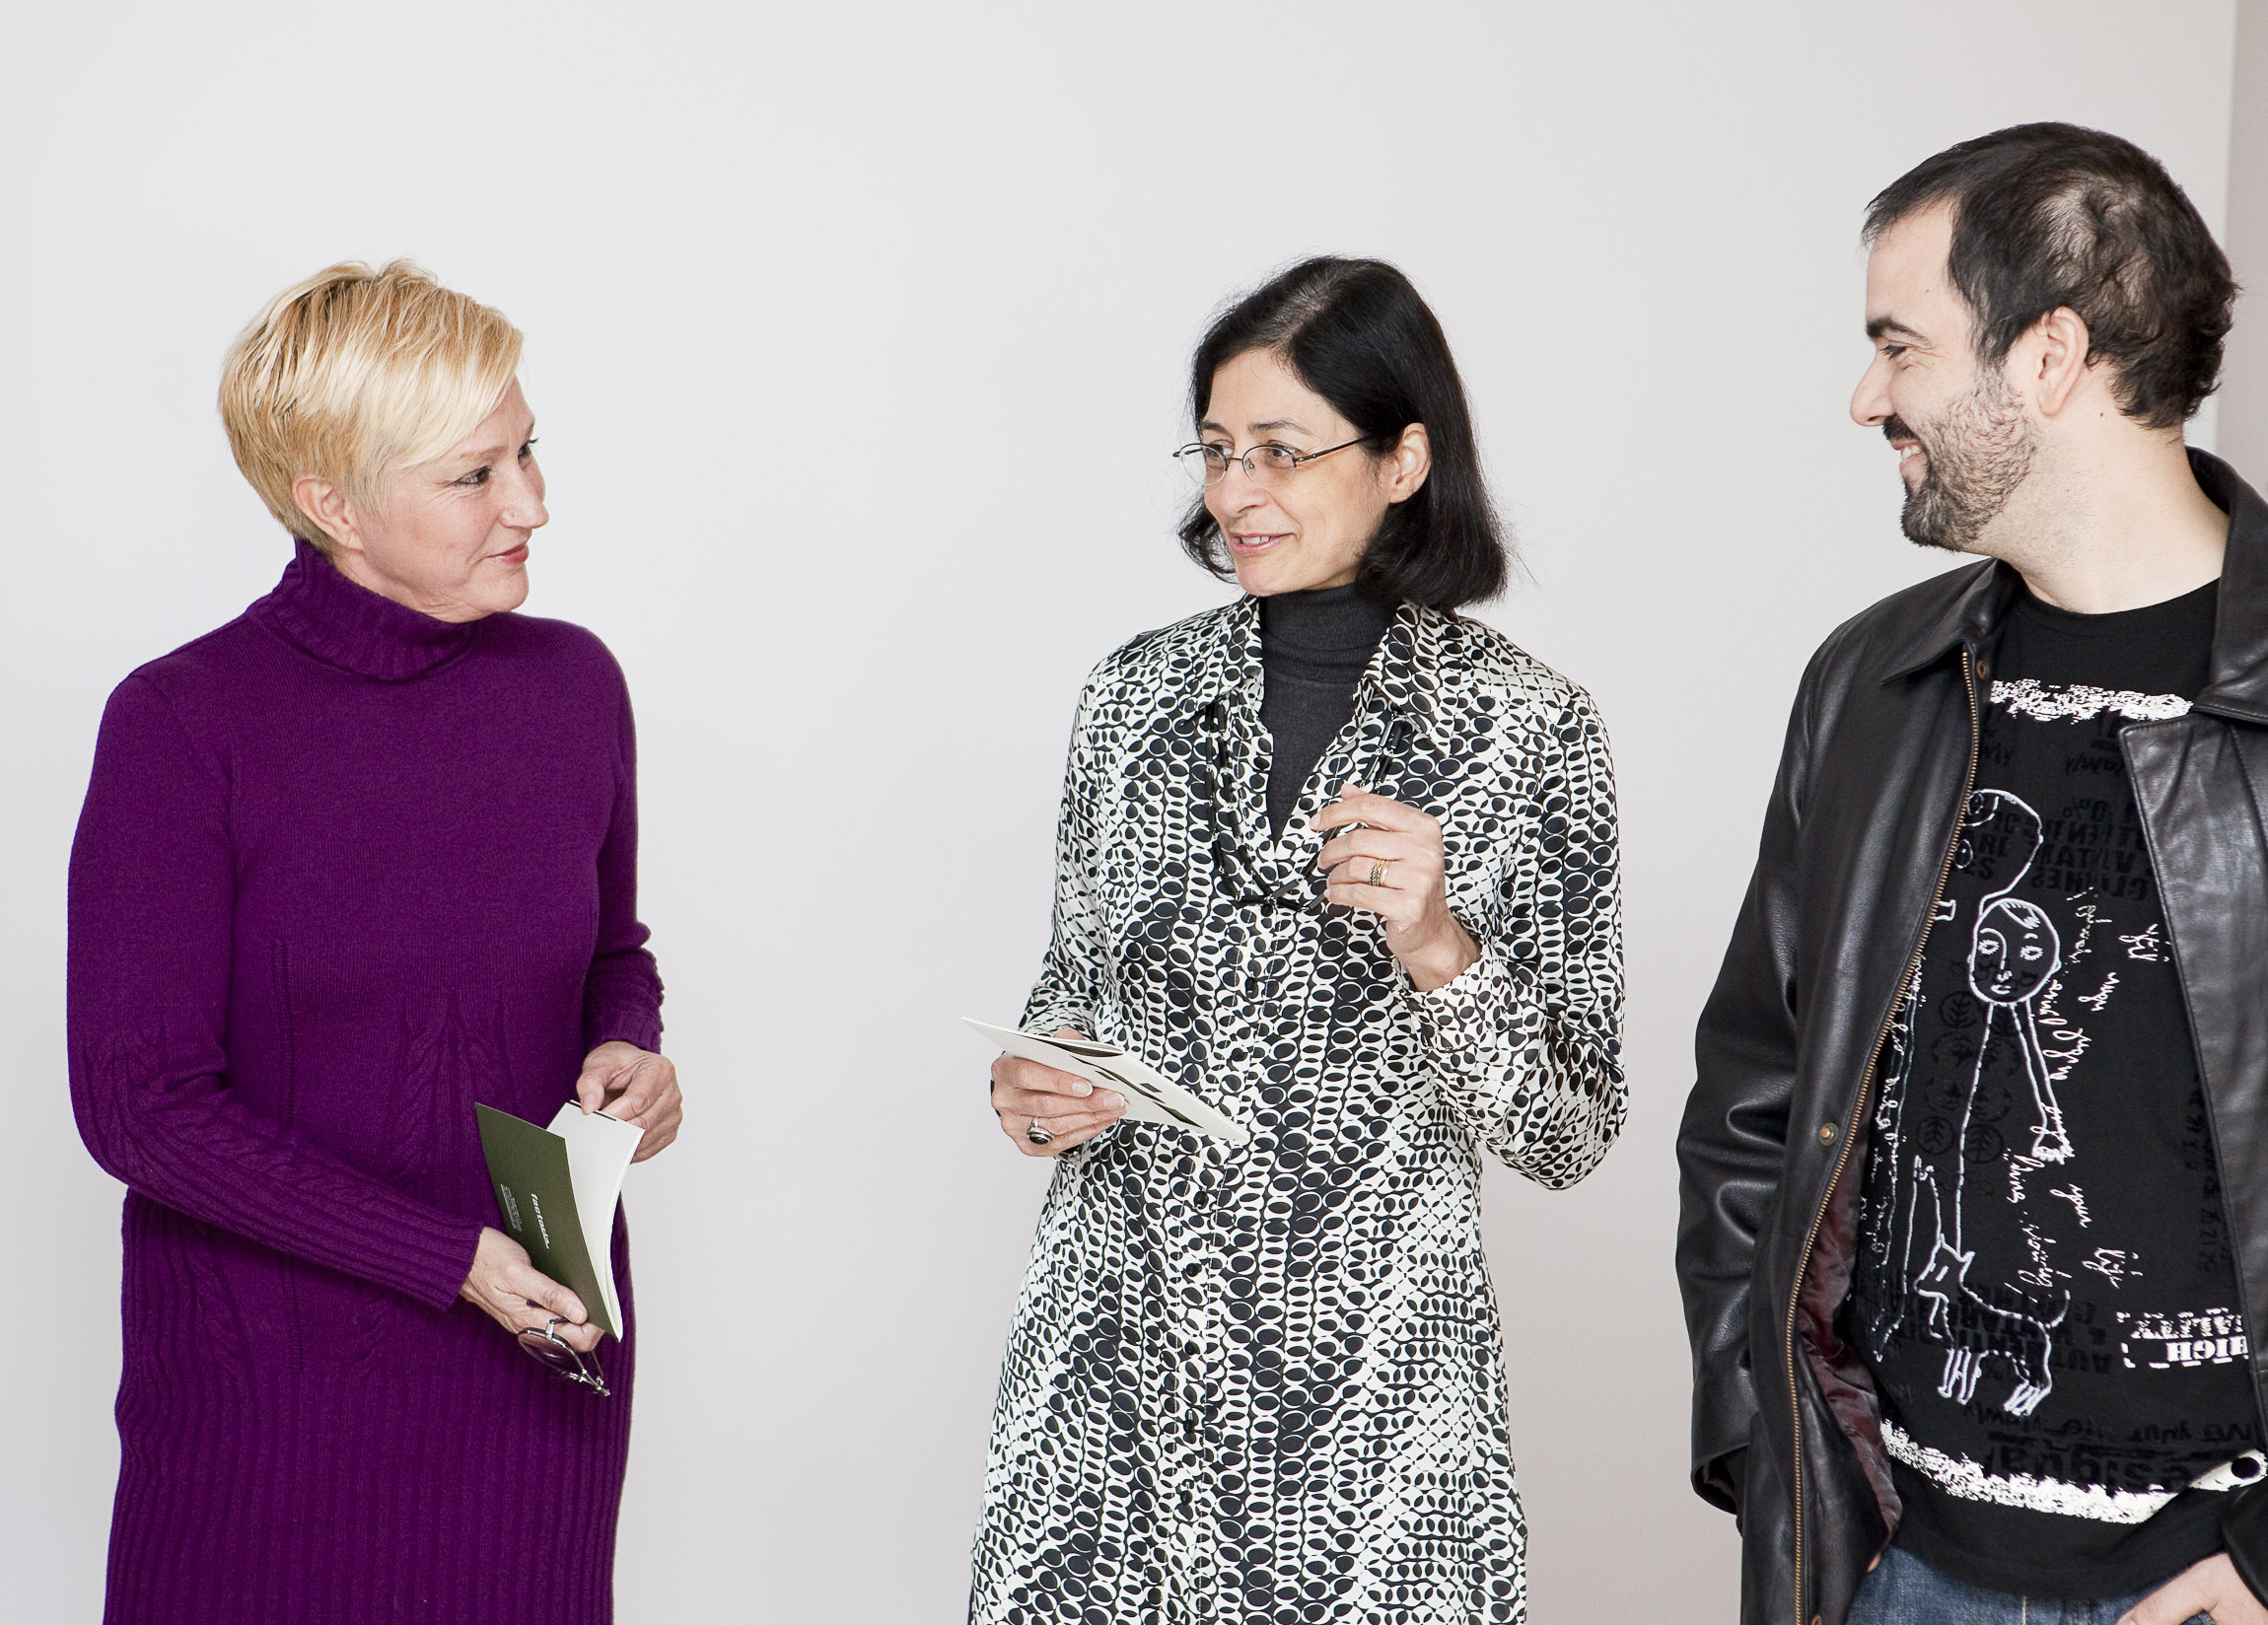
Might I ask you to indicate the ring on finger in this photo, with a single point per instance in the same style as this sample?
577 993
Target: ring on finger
1378 872
1038 1134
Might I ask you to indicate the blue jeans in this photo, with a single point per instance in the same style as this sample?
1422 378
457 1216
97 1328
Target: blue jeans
1905 1590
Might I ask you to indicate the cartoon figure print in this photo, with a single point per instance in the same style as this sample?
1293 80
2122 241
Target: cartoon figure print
1963 1152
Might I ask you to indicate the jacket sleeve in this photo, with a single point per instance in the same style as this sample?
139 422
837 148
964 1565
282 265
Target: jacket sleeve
1733 1143
1068 990
1527 1044
151 902
622 991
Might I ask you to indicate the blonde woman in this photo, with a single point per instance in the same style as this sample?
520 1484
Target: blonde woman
361 858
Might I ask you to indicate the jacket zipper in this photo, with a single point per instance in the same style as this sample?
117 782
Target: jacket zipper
1851 1129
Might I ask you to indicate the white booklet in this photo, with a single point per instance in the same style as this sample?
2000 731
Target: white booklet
599 1153
1151 1097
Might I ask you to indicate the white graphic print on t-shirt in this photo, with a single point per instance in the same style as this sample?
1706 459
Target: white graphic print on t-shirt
1987 1213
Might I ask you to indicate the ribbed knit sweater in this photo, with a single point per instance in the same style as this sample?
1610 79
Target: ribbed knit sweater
342 872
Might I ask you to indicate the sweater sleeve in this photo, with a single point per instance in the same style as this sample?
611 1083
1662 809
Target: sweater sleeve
152 904
1527 1044
622 993
1069 976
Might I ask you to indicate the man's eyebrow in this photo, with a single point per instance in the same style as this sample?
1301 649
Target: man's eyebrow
1891 325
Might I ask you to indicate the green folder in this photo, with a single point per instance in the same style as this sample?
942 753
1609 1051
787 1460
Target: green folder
535 1192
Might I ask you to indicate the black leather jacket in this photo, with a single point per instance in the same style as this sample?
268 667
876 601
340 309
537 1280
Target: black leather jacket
1880 758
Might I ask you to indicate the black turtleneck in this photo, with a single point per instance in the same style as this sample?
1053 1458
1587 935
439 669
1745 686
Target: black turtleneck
1314 649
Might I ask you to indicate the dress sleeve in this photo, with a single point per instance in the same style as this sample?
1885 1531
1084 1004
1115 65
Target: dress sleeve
1070 977
1527 1044
152 905
622 993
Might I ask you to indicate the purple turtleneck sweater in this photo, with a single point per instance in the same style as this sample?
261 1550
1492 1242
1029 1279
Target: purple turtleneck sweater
344 871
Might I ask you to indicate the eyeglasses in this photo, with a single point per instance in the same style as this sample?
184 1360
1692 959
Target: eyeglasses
549 1349
1264 465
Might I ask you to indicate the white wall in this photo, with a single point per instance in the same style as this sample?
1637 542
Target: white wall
856 337
2243 435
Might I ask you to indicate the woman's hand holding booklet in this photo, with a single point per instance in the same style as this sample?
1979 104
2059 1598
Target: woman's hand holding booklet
1150 1097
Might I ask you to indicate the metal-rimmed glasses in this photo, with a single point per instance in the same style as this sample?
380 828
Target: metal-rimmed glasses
556 1354
1268 464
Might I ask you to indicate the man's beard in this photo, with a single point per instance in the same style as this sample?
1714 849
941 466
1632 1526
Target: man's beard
1973 458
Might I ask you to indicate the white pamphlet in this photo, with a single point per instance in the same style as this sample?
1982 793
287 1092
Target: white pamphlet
599 1153
1150 1097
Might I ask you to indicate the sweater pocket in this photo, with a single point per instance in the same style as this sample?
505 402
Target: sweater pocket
339 1322
444 1060
265 1310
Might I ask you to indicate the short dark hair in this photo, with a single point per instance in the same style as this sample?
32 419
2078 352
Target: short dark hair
2049 216
1355 333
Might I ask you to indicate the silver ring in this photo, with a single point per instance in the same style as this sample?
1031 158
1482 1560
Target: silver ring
1378 872
1038 1135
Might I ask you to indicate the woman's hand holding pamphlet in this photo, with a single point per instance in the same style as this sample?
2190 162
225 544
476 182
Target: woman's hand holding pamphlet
556 1188
1150 1097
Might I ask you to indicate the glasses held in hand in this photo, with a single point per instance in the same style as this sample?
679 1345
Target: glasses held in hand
554 1354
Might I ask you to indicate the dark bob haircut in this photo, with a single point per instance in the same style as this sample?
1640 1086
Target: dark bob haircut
1357 333
2050 216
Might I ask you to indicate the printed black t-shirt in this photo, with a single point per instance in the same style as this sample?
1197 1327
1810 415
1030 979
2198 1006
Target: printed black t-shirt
2045 1287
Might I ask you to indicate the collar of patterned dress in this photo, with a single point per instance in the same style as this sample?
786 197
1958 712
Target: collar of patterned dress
317 610
1403 679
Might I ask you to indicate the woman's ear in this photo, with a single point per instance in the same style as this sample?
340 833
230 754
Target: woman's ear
1408 463
327 509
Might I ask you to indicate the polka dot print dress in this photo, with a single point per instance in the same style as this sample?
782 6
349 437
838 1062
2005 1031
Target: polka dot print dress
1266 1383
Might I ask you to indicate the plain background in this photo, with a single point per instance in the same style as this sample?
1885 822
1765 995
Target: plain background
856 339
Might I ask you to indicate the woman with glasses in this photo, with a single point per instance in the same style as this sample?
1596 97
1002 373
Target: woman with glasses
361 858
1342 863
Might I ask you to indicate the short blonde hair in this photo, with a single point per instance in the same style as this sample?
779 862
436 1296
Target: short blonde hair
354 373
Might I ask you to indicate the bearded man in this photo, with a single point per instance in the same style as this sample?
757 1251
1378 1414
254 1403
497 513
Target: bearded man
1974 1243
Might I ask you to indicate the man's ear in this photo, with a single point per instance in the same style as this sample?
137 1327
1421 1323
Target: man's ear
327 509
1411 460
2053 359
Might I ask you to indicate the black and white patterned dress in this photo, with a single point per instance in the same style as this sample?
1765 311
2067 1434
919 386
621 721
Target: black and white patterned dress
1267 1383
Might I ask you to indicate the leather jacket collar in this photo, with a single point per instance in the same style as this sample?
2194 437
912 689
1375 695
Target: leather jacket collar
2238 686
